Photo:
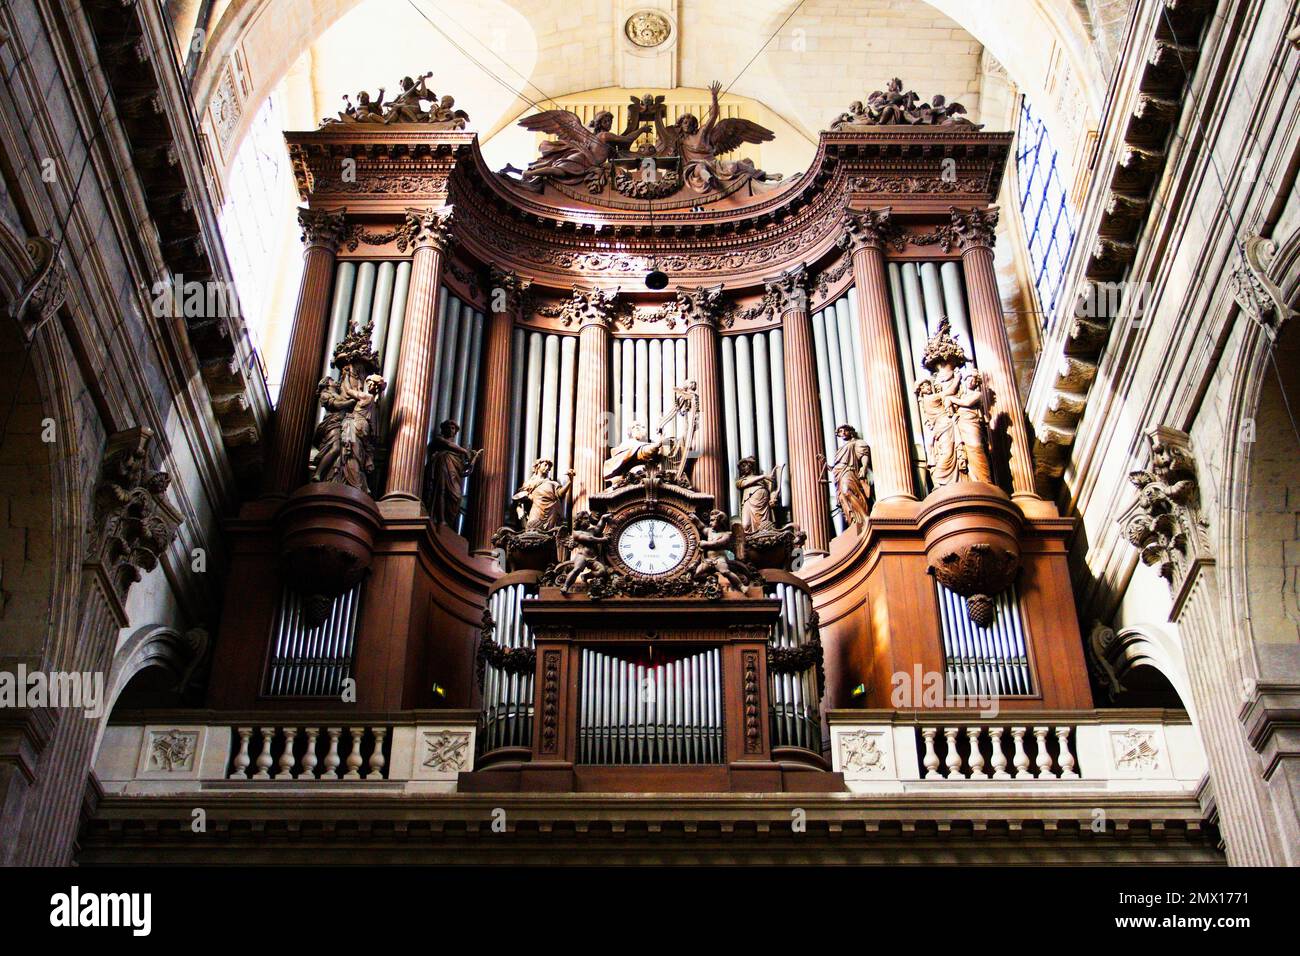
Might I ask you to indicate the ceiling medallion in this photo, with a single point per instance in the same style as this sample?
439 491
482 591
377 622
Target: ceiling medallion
647 28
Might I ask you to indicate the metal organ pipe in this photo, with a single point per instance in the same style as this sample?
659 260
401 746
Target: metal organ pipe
753 393
544 392
507 708
312 661
984 660
795 703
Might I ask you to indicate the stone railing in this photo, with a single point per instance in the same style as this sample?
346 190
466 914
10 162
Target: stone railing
169 751
1139 750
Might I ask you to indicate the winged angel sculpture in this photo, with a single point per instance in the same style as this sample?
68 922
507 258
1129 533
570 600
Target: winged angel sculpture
579 153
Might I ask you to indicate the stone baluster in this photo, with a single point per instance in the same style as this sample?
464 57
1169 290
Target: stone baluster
974 231
1020 759
505 299
239 766
803 409
296 408
976 757
354 754
284 766
699 309
1066 758
376 771
331 771
308 765
1044 760
263 762
593 311
954 757
931 759
429 231
865 236
999 756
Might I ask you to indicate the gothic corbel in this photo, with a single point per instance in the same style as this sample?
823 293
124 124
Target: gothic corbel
133 522
43 290
1165 522
429 227
870 228
789 291
1256 293
321 228
975 227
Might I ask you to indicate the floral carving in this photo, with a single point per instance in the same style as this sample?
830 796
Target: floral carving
550 702
871 228
977 571
321 228
974 227
750 702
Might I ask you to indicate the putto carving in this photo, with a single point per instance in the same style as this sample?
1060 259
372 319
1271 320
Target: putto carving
406 107
973 227
586 546
716 568
449 465
953 412
1256 293
860 752
871 228
321 228
173 751
134 524
1165 522
848 472
345 440
893 106
428 227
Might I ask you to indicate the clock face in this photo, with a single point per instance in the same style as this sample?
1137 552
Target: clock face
652 546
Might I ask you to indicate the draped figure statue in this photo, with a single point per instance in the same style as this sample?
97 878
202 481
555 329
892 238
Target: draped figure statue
849 472
344 441
758 491
953 413
544 497
449 465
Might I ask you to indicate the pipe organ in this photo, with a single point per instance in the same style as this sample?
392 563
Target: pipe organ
637 628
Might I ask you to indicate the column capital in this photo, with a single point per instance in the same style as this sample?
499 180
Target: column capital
322 228
973 228
590 307
698 306
429 227
788 292
868 229
507 288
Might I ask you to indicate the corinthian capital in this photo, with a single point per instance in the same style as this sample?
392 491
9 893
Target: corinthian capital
868 229
590 307
506 289
788 292
972 228
698 306
320 228
429 227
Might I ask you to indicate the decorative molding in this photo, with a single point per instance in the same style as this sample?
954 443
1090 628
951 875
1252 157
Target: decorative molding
1257 294
789 290
446 751
429 227
974 228
550 697
750 702
44 290
697 306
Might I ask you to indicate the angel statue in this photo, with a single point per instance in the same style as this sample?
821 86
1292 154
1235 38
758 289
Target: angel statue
586 543
365 110
577 151
407 106
716 540
700 145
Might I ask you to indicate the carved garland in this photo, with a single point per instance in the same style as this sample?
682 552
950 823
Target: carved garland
550 702
753 731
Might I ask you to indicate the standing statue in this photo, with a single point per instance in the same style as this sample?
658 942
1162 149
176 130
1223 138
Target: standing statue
700 145
586 544
578 152
953 411
544 497
715 564
344 441
849 473
449 466
758 494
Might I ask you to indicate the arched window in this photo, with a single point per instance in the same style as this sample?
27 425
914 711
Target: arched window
1044 209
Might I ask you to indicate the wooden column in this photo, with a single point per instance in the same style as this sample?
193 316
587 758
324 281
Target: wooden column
507 290
886 431
699 308
803 410
592 310
429 231
296 410
973 230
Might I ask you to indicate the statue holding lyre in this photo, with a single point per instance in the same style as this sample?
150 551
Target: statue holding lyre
665 457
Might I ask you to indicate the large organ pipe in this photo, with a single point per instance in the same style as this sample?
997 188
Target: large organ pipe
979 660
753 403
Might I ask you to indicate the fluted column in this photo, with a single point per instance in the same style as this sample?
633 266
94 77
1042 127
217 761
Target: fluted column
865 235
507 291
803 410
973 231
699 309
321 234
429 232
592 311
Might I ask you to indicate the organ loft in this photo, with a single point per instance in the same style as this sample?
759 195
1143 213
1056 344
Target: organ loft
634 467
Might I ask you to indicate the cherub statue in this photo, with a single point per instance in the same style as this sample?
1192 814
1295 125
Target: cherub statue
544 497
849 472
449 465
758 493
407 106
577 150
716 540
586 544
700 145
444 116
365 110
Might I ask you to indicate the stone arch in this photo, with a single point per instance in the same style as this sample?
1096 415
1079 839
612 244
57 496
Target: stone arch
1125 656
174 657
42 502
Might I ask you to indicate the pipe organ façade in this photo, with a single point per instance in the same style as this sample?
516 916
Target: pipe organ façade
650 472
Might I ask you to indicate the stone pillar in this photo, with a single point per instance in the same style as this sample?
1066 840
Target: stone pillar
865 235
593 311
699 308
295 412
973 231
489 511
803 410
429 232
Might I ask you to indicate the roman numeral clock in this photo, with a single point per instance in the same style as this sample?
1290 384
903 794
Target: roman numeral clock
651 639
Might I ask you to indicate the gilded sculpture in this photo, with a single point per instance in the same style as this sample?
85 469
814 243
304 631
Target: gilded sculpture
449 465
954 413
346 437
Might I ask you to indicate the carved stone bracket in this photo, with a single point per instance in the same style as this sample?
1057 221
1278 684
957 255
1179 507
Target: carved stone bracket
1165 522
1250 284
43 290
320 228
